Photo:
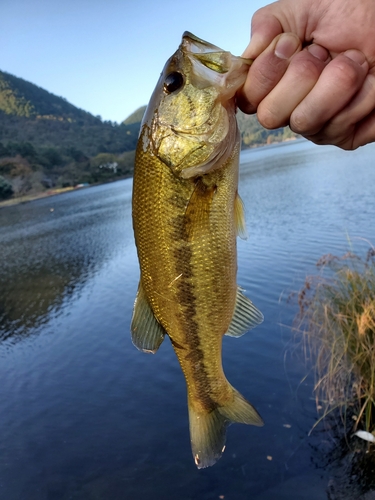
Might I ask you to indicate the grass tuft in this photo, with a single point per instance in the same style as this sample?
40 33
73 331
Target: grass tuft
337 318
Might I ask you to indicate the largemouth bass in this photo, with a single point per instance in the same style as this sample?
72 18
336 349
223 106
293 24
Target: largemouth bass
186 216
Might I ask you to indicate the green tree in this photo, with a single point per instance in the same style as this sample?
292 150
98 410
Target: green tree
126 163
102 159
6 190
52 158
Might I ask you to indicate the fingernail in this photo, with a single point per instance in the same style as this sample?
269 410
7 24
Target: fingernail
356 56
286 45
319 52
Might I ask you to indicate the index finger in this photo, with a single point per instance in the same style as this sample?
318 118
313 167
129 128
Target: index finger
267 70
265 26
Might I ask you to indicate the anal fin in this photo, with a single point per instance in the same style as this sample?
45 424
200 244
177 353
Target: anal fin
245 317
147 332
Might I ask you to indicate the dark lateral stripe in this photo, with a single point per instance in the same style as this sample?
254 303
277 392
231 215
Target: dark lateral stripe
188 301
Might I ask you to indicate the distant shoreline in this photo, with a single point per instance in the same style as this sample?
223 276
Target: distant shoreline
53 192
37 196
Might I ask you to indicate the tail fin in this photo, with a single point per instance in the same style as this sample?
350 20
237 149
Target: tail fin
208 430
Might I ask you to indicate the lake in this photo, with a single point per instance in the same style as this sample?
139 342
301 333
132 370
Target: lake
85 415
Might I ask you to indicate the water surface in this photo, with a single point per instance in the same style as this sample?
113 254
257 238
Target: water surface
84 415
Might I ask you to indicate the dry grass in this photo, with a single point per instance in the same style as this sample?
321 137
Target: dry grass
337 318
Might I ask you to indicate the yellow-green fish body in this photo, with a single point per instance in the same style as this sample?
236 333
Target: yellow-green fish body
186 215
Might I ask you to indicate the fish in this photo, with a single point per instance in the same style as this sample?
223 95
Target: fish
186 217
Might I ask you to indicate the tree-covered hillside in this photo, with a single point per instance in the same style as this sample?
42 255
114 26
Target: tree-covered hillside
136 116
253 134
21 98
31 114
45 141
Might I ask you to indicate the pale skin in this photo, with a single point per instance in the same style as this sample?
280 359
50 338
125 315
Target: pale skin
314 70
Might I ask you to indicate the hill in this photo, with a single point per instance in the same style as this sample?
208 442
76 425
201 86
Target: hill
46 141
136 116
21 98
30 113
253 134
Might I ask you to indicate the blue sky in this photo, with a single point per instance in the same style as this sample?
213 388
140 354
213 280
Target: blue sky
105 56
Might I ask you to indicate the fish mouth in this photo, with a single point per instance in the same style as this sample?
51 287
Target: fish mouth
226 70
196 45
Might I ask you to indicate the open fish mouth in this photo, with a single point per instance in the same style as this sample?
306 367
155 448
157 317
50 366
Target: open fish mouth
217 67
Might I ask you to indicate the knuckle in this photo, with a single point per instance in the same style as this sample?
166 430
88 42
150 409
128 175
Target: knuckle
342 139
346 76
301 124
260 14
306 67
268 118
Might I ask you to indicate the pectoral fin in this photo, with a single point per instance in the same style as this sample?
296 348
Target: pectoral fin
197 213
246 316
239 217
147 333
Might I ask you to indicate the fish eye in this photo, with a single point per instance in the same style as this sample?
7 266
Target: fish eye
173 82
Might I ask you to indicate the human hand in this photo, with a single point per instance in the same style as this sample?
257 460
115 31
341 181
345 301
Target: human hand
327 95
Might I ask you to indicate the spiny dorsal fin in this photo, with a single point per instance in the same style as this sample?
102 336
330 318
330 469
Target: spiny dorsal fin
245 317
147 333
239 217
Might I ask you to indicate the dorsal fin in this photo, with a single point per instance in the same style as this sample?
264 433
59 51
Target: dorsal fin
147 333
245 317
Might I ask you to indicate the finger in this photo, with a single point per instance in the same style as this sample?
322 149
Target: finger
354 126
339 82
365 132
265 26
300 77
267 70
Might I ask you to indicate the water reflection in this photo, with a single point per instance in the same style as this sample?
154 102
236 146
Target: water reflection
50 248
